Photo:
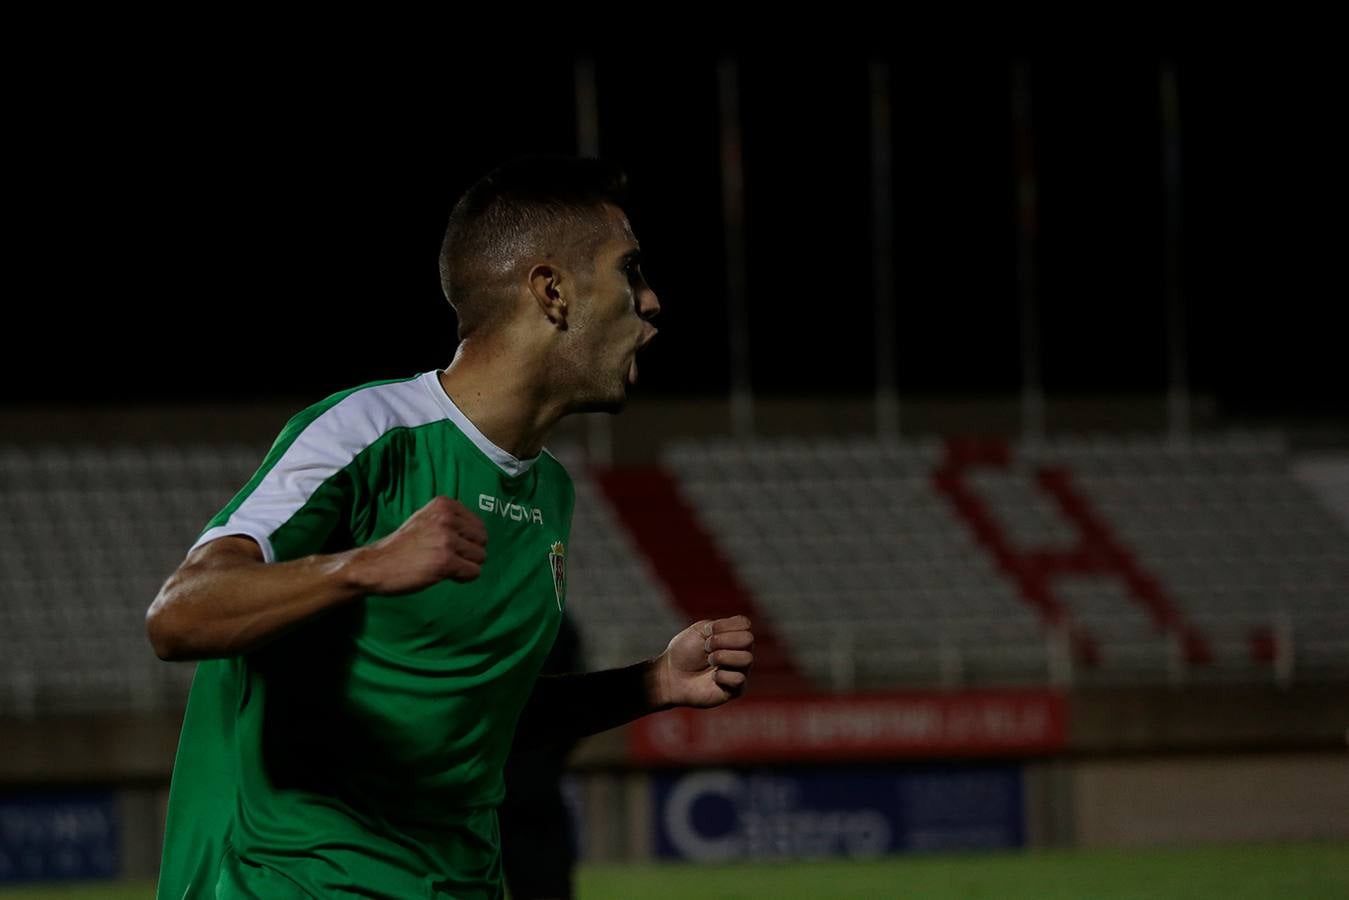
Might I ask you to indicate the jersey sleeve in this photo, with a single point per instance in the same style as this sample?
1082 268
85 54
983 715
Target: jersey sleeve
300 500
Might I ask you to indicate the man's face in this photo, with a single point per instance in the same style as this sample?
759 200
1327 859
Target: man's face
614 322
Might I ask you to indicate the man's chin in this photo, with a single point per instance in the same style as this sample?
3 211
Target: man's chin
612 404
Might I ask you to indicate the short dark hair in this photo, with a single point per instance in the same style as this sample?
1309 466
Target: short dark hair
525 206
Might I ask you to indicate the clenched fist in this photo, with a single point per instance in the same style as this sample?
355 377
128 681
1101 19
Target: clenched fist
706 664
439 541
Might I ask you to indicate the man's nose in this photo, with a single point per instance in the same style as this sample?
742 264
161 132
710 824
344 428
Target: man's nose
649 306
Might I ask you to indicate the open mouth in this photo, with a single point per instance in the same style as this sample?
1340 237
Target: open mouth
632 370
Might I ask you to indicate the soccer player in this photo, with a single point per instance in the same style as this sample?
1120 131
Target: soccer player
373 608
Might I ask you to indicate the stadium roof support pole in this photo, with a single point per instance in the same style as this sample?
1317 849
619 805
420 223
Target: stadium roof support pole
587 109
599 426
1027 201
733 218
1284 649
1178 382
882 252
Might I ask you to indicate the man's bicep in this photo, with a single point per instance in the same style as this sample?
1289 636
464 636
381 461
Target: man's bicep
238 529
225 551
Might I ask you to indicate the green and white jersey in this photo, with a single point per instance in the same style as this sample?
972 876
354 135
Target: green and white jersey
362 752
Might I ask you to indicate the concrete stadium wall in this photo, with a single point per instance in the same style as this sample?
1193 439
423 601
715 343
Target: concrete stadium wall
1210 799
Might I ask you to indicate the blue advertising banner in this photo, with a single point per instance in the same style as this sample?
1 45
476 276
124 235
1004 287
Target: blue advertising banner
58 836
720 814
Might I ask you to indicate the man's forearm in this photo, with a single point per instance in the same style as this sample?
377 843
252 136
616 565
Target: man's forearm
224 600
565 707
228 601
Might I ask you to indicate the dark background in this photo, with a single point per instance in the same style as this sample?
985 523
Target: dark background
269 228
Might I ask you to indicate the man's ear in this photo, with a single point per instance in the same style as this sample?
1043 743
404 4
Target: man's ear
546 286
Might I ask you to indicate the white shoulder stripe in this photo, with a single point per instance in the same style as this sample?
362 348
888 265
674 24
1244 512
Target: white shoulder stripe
326 446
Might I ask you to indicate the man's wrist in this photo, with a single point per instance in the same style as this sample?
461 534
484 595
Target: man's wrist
354 572
655 683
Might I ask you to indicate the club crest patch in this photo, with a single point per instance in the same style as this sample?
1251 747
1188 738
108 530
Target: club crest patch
557 561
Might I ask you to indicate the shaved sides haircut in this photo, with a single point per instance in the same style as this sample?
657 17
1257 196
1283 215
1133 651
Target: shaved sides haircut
530 209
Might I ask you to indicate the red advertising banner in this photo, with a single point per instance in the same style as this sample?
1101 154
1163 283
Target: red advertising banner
974 723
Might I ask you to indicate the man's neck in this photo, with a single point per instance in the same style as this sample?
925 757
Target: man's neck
501 397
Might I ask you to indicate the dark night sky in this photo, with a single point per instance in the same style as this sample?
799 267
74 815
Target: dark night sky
270 229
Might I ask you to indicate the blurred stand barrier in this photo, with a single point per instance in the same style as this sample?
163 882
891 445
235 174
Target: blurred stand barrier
1251 649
